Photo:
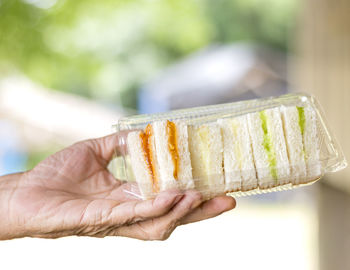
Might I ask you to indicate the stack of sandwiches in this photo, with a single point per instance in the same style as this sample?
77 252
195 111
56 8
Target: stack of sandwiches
259 150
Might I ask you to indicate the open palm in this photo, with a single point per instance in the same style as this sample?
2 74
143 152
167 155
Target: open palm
73 193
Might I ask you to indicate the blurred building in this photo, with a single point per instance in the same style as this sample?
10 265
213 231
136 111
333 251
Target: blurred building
214 75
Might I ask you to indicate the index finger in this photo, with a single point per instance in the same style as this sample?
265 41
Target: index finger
136 210
210 209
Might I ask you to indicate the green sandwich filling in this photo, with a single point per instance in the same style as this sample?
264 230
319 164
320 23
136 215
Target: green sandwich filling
301 113
268 146
301 119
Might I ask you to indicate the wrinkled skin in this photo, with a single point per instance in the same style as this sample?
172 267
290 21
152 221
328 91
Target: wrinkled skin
73 193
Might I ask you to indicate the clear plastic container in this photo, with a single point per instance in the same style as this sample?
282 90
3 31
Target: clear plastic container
240 148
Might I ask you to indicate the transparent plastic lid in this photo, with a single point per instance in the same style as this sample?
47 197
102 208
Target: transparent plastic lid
239 148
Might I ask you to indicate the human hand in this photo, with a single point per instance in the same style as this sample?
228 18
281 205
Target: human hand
73 193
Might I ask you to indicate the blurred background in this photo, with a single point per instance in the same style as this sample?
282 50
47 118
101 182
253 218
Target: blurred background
70 69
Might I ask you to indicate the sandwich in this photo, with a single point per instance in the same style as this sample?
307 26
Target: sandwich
143 166
172 154
300 127
294 127
239 165
265 149
206 150
269 148
160 157
311 142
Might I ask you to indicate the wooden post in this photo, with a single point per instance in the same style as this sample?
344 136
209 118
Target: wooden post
322 67
334 228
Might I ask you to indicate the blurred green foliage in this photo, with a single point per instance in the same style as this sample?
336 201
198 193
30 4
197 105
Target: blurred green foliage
105 49
34 157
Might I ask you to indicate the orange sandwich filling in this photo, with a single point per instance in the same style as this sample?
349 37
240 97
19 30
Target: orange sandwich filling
146 139
172 146
149 155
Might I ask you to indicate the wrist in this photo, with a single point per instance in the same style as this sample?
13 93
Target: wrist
10 226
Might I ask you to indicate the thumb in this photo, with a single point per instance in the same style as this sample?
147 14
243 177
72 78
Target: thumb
106 147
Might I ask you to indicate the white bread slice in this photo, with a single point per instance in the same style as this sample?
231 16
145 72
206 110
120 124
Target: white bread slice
239 165
269 149
312 145
185 167
164 158
140 165
183 179
294 141
232 154
206 149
